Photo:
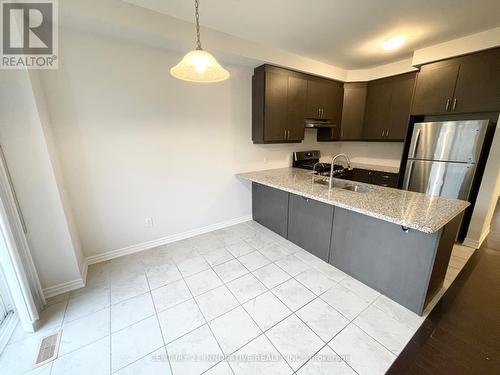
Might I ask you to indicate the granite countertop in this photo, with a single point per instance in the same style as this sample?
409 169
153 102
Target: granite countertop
418 211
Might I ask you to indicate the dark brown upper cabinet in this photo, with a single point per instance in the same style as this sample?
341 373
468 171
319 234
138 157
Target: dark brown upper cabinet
478 83
402 88
388 103
296 107
279 99
461 85
324 99
353 111
282 99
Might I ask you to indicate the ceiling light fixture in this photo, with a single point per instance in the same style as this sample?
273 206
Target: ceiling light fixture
199 65
393 42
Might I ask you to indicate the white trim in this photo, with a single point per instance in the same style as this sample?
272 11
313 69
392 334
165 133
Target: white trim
21 254
164 240
476 244
457 47
79 283
63 288
83 271
8 326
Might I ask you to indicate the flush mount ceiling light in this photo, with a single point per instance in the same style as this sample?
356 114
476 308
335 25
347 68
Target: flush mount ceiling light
199 65
393 42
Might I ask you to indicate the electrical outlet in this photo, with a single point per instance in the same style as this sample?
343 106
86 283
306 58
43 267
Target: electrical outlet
149 222
265 160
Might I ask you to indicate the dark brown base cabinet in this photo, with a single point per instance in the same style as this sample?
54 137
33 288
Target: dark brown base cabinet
379 178
310 225
406 265
270 208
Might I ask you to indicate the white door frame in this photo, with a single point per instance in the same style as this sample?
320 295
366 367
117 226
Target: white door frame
15 258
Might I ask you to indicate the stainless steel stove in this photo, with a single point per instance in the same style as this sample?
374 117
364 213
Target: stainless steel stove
307 160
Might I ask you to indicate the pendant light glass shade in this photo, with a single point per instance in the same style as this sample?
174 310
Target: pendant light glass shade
199 66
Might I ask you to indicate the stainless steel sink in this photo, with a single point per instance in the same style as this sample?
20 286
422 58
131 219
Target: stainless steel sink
346 185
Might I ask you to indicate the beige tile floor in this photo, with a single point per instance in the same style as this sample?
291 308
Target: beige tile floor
240 300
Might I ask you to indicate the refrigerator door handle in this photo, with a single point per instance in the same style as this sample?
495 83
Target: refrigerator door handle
414 144
409 172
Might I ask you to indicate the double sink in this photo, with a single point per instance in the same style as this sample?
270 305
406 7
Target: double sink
343 184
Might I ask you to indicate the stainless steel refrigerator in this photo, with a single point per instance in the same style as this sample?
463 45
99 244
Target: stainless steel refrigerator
443 157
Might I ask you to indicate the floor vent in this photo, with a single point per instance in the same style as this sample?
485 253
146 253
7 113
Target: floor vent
47 351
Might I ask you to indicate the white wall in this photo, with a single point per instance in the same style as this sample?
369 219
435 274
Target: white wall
379 153
27 156
134 142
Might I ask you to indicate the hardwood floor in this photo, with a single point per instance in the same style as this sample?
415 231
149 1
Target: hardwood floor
462 333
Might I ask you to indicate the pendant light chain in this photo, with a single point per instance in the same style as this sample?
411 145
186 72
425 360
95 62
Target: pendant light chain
197 16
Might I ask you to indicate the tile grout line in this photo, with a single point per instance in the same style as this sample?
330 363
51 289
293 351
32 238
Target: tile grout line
159 325
267 289
223 283
206 321
241 305
263 332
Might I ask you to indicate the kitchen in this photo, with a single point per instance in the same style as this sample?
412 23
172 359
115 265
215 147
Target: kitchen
211 216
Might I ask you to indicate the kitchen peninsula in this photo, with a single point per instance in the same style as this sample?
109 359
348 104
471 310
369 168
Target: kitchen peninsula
397 242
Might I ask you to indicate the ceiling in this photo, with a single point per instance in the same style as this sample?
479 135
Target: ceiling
344 33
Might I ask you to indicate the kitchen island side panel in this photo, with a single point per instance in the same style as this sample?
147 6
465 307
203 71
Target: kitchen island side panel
396 262
270 208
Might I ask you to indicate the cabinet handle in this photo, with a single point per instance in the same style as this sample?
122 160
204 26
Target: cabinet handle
383 132
288 132
284 135
447 105
387 133
454 104
319 112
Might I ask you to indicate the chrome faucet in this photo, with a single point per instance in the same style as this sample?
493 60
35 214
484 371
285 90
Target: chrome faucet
333 165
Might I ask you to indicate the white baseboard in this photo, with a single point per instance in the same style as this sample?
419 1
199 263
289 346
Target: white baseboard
83 271
63 288
164 240
476 244
79 283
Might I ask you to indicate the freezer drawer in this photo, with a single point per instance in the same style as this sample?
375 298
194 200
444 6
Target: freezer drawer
445 179
459 141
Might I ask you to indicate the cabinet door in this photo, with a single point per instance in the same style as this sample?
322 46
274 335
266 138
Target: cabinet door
310 225
296 108
378 101
401 95
275 121
478 84
316 90
434 88
353 111
331 102
270 208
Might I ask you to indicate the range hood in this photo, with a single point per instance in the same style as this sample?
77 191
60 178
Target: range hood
319 123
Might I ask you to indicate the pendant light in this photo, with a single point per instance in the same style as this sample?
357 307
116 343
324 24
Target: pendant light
199 65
